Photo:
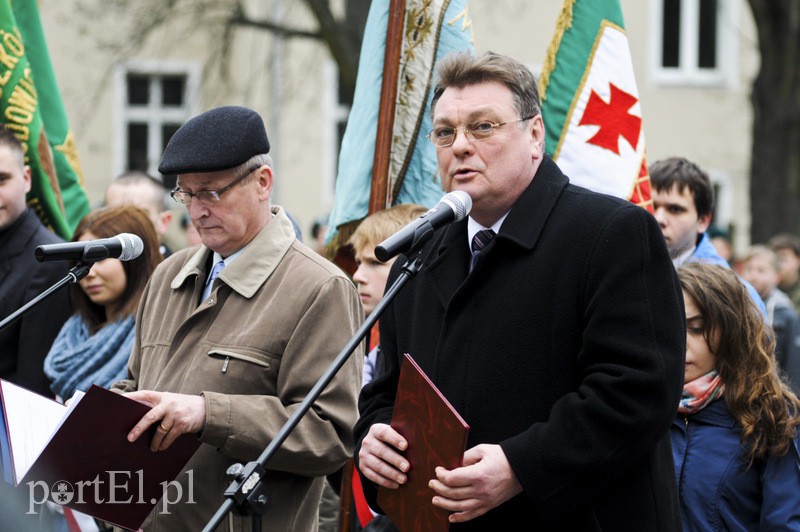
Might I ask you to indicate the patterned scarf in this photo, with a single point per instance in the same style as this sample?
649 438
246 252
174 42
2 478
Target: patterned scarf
697 394
77 360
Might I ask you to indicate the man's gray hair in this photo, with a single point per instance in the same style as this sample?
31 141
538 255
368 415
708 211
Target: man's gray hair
256 161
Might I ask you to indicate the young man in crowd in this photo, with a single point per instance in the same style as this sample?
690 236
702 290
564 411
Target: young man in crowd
683 202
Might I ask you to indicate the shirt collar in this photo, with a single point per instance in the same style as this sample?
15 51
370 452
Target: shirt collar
217 257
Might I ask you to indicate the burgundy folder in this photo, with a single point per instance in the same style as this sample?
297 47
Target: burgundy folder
90 466
437 436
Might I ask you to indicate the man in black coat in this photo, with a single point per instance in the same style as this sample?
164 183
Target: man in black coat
24 345
561 342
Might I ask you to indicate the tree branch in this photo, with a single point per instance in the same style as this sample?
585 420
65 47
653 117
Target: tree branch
239 18
342 48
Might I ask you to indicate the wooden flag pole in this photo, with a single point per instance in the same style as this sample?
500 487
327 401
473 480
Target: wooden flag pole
380 196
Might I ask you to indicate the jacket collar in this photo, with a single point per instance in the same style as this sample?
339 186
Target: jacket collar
16 236
529 215
706 252
716 413
449 258
259 259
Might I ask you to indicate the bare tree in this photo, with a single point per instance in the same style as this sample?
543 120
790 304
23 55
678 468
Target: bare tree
341 36
134 22
775 166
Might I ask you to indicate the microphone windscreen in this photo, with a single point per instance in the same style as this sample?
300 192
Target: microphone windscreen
132 246
460 201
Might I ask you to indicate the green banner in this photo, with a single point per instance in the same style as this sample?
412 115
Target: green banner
56 125
590 102
569 55
20 111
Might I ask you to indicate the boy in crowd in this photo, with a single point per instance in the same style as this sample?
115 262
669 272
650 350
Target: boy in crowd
787 246
761 271
370 278
371 274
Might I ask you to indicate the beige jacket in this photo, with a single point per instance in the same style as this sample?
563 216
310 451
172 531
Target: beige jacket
277 317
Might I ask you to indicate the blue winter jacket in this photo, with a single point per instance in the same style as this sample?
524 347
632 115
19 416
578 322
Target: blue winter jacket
717 491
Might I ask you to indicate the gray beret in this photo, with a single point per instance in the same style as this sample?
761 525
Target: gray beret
218 139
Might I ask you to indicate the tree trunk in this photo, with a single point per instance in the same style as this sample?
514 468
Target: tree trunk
343 37
775 163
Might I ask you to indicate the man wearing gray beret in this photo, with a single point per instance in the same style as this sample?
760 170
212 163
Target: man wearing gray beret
231 335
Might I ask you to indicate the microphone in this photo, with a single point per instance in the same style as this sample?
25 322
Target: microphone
124 246
453 207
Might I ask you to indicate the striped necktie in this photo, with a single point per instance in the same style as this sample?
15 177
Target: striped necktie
480 241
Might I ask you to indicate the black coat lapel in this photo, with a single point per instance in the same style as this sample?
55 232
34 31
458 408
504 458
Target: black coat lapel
449 258
528 217
448 261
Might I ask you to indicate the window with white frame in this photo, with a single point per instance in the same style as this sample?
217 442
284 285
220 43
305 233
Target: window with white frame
695 41
155 99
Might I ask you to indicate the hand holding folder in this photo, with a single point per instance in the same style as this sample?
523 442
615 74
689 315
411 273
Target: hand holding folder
80 456
436 436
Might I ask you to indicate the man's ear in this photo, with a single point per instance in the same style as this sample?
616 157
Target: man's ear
537 136
702 223
26 175
265 180
164 219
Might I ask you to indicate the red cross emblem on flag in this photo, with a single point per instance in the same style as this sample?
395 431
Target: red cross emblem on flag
613 118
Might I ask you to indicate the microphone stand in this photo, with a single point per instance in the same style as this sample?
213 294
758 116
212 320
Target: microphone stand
247 494
75 274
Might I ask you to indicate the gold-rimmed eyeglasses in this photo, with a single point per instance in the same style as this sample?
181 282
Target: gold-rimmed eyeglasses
444 136
209 197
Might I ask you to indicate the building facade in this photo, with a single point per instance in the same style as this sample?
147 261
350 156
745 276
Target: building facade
131 72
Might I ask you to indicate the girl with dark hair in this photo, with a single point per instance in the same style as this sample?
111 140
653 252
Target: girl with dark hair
94 345
734 439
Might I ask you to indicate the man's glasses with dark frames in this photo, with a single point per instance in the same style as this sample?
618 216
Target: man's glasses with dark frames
207 196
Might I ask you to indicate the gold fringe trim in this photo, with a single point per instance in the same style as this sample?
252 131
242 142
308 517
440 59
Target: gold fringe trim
563 23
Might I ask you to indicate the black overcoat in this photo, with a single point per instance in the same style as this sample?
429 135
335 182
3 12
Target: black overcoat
565 345
25 344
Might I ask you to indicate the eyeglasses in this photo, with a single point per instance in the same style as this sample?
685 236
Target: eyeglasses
209 197
441 137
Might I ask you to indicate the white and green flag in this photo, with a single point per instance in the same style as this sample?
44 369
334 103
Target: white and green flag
590 103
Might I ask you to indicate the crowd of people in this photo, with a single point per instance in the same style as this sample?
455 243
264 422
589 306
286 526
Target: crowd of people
614 369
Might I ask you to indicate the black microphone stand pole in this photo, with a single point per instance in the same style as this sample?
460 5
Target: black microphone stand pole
75 274
247 494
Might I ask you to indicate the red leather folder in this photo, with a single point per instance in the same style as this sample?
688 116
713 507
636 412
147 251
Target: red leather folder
88 464
437 436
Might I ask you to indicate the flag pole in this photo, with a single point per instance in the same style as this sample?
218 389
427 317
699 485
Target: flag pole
380 196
